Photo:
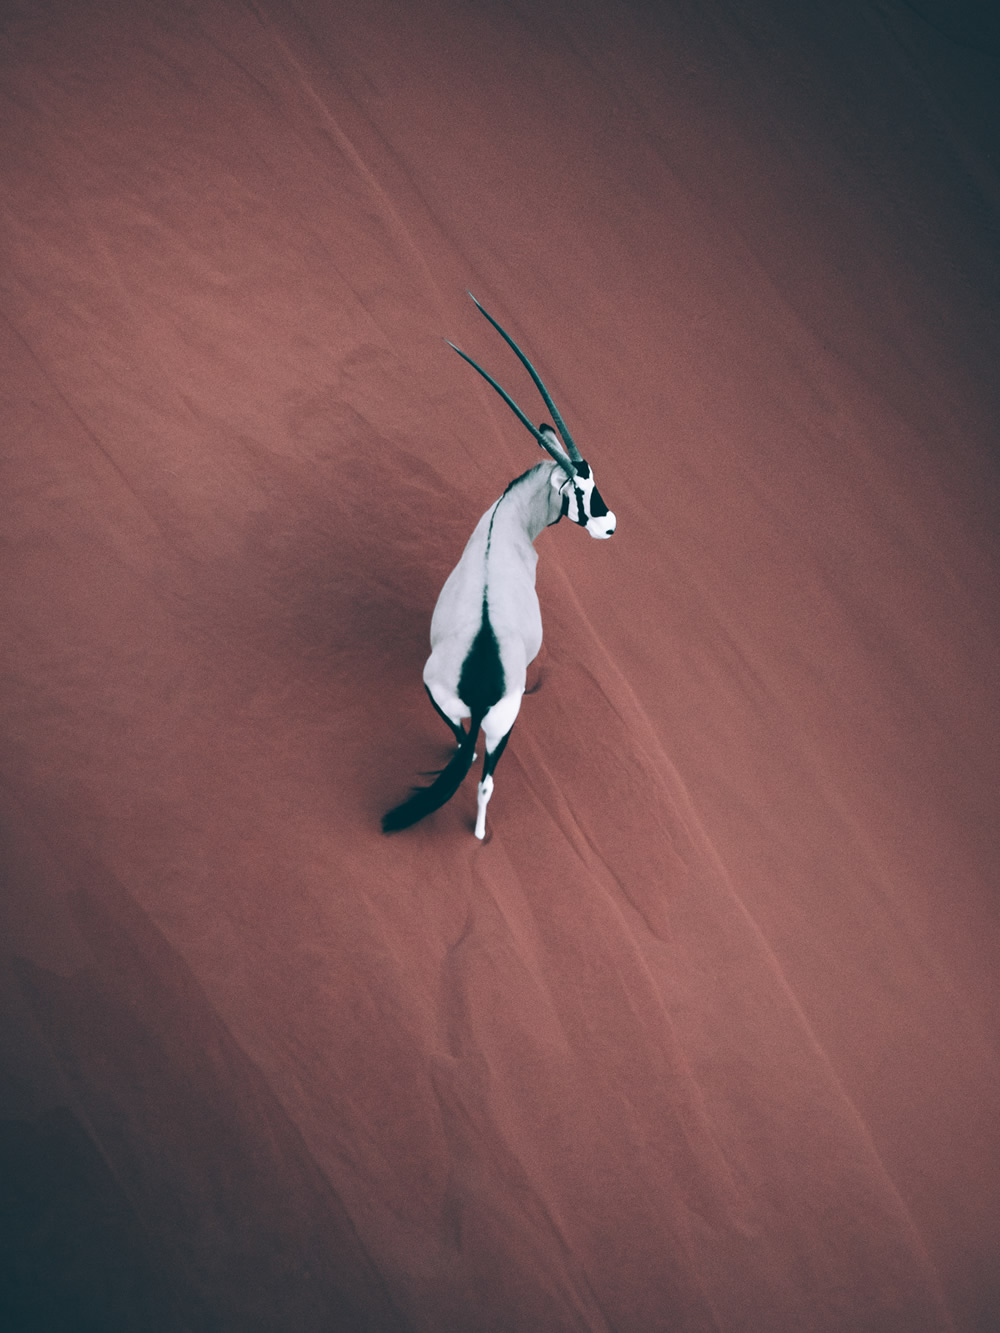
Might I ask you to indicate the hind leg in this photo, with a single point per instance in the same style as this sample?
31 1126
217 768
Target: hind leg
485 789
453 722
497 726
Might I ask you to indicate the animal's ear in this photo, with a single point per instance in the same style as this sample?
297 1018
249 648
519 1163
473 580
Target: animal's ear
559 479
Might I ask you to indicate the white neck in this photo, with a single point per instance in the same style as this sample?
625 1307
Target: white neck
531 505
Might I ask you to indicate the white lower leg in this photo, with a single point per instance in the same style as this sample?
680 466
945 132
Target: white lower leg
485 792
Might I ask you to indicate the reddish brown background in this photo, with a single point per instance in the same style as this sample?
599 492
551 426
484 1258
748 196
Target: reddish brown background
705 1036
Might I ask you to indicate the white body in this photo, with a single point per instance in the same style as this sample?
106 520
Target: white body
498 562
487 625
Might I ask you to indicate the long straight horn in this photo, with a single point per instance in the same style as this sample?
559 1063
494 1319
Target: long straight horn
550 448
561 427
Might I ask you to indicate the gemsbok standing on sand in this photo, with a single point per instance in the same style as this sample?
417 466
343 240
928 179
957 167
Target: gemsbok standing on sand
487 626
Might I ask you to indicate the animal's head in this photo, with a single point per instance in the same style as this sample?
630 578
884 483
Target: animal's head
572 479
581 500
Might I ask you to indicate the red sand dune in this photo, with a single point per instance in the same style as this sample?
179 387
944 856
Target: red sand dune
705 1035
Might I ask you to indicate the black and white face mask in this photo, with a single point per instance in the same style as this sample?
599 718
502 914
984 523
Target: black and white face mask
582 501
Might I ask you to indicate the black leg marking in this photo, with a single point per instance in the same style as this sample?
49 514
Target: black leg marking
492 757
456 727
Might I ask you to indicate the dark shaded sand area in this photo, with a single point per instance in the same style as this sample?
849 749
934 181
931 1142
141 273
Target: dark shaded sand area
704 1037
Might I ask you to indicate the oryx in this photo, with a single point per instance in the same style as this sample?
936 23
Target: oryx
487 626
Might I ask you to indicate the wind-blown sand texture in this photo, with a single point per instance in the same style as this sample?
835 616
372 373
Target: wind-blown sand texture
704 1037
